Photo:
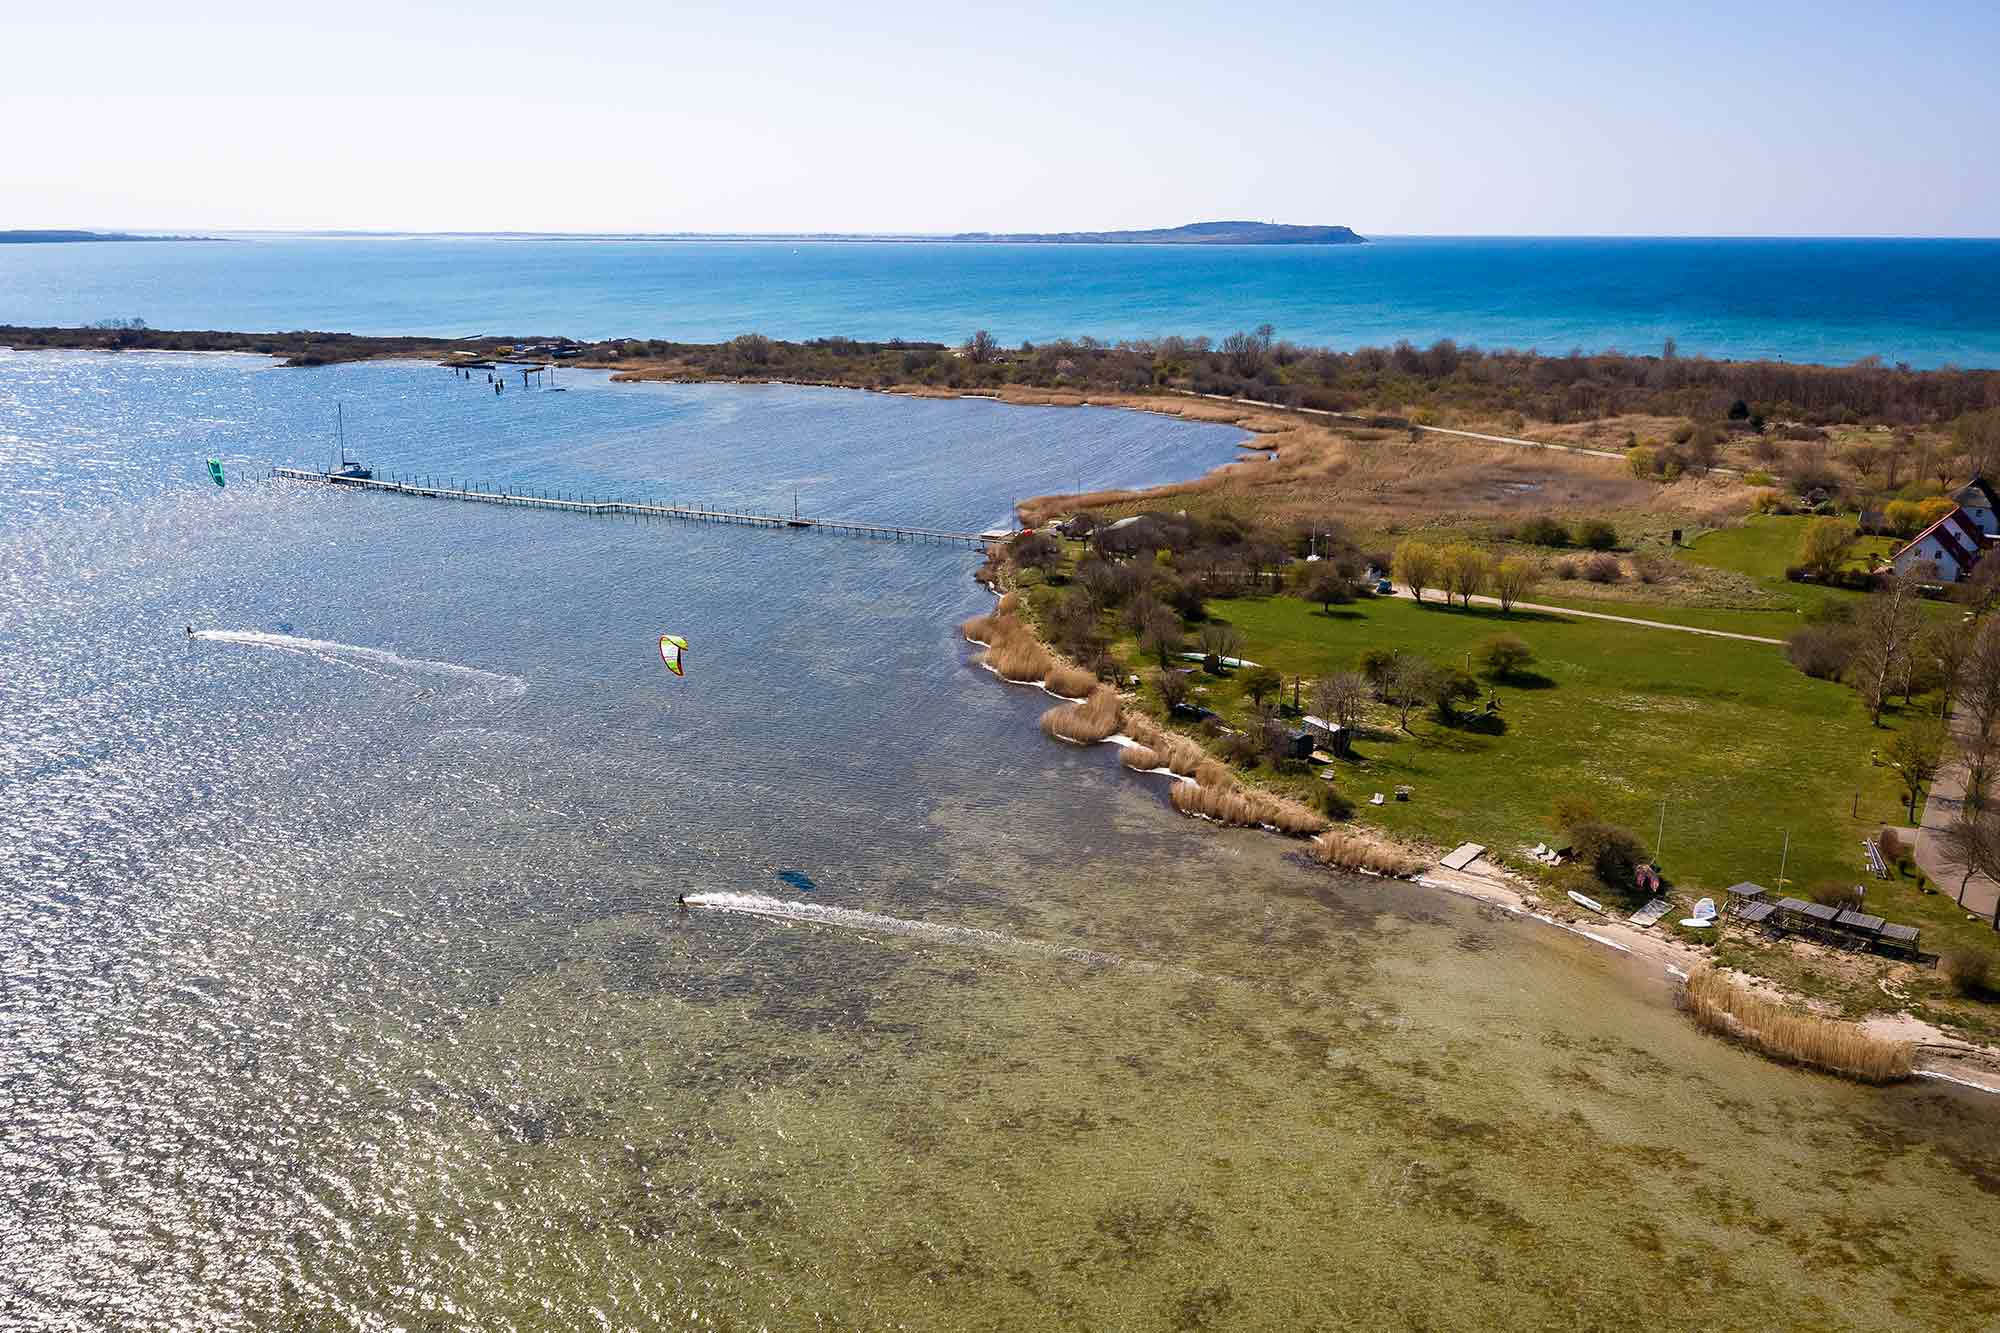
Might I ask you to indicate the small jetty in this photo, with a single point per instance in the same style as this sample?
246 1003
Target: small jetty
432 488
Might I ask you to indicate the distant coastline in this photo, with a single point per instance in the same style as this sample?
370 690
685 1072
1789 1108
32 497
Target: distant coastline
60 237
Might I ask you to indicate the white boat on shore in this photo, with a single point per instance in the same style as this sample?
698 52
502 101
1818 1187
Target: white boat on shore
1582 901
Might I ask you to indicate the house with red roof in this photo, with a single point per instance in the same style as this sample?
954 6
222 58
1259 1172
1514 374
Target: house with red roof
1946 551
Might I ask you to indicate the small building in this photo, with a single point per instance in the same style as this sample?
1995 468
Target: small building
1336 738
1298 743
1946 550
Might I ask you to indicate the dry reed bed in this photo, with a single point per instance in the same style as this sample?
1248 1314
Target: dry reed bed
1072 682
1245 807
1345 851
1085 723
1140 758
1011 647
1179 753
1719 1005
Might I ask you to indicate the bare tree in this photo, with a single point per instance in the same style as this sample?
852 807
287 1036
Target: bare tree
981 348
1972 843
1160 632
1173 687
1888 624
1341 697
1407 684
1221 639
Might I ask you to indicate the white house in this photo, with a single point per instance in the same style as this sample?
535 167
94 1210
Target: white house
1980 504
1951 546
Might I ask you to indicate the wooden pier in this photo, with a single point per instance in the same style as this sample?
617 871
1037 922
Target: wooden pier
432 488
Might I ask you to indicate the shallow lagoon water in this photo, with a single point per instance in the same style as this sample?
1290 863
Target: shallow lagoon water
345 986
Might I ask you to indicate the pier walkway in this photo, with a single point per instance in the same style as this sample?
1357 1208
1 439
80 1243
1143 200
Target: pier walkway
430 488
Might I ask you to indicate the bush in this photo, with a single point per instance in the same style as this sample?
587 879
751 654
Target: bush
1505 654
1835 893
1564 568
1241 749
1640 459
1891 844
1603 569
1970 970
1597 535
1375 664
1543 532
1334 805
1822 651
1651 568
1613 854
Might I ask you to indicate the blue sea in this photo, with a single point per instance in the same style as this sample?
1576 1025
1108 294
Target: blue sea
1925 302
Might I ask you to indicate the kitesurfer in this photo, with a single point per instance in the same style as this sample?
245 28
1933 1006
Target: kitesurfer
190 631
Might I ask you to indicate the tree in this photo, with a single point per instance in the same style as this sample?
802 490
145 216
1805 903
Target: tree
1513 579
1173 688
1406 683
1035 550
1463 569
1341 697
1222 640
1904 517
1446 687
1916 752
1825 544
1327 588
1505 654
1977 435
980 348
1261 683
1887 626
1972 844
1159 632
1416 566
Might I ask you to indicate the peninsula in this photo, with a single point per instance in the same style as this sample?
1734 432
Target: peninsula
46 236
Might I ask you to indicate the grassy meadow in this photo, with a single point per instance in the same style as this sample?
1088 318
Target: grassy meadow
1741 746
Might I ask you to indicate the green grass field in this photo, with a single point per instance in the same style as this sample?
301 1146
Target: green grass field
1741 746
1765 545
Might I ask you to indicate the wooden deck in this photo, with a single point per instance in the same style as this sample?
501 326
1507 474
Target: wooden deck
430 488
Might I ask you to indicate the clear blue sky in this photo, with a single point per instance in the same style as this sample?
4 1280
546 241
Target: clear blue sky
1710 119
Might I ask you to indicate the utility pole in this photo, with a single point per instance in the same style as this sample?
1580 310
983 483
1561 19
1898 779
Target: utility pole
1661 836
1784 859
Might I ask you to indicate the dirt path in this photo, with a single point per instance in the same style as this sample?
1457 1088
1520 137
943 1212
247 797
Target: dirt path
1622 620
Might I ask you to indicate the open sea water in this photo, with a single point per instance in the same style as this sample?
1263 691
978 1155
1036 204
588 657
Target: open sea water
343 983
1926 302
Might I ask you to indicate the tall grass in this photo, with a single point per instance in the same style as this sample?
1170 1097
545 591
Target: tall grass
1719 1005
1071 681
1011 647
1087 722
1140 758
1249 809
1180 753
1345 851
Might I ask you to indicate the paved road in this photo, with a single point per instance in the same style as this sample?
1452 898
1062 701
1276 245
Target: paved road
1606 615
1946 797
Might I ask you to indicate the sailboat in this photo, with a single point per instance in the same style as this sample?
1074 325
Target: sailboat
344 470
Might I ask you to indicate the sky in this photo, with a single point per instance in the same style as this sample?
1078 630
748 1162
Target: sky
1444 118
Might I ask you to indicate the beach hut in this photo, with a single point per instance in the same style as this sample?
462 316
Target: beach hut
1861 928
1744 892
1898 939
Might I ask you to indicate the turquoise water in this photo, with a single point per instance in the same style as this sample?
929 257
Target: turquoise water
1926 302
344 984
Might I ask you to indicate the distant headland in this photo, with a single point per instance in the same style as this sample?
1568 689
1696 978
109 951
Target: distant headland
1194 233
58 237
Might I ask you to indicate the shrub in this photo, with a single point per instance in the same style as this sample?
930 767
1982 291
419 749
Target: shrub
1570 811
1603 569
1375 664
1505 654
1334 805
1891 844
1718 1006
1613 854
1835 893
1241 749
1543 531
1822 651
1596 534
1640 459
1970 970
1564 568
1651 568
